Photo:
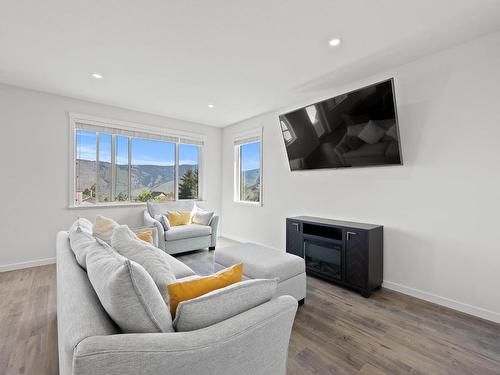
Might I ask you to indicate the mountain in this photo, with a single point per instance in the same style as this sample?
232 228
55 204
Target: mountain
152 177
251 176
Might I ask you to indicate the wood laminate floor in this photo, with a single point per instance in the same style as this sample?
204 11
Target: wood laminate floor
336 332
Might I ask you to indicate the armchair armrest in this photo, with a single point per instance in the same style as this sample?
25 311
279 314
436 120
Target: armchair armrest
253 342
151 222
214 223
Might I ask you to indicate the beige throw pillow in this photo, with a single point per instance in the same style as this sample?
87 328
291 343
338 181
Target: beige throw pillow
103 227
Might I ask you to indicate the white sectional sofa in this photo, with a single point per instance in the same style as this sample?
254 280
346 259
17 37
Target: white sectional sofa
254 342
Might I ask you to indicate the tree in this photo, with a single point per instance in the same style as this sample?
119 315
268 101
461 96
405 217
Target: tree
89 193
144 196
188 186
122 196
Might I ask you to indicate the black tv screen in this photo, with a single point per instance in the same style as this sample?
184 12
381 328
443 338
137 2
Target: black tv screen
356 129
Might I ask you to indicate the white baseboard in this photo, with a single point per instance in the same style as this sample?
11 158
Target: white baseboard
31 263
444 301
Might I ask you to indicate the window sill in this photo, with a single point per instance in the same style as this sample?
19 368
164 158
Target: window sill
129 204
106 205
249 203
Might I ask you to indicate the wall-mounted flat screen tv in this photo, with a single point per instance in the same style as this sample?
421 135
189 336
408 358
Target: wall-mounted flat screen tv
356 129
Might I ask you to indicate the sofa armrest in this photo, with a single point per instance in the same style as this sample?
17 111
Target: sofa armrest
253 342
151 222
214 223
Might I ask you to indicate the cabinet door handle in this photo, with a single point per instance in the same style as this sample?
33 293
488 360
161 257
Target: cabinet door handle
350 234
296 226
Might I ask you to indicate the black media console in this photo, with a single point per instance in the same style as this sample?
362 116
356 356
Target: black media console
347 253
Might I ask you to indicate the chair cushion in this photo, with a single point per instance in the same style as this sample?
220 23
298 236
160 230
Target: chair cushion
154 260
261 262
222 304
127 292
187 231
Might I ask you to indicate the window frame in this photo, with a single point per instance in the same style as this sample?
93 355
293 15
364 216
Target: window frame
253 137
181 138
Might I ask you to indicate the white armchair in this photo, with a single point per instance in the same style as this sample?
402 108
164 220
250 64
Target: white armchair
181 238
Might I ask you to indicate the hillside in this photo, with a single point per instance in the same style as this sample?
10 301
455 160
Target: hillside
152 177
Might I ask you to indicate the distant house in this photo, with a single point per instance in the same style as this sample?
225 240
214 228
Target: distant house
158 195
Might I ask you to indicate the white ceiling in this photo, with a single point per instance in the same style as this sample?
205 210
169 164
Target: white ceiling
247 57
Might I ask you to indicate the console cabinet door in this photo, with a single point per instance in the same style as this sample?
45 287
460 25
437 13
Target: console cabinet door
356 258
294 240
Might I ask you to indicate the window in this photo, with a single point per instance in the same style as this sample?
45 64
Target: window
117 165
248 179
288 133
188 171
153 170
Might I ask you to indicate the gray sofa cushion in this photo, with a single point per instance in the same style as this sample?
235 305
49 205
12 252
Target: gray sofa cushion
127 292
81 240
222 304
181 232
179 269
154 260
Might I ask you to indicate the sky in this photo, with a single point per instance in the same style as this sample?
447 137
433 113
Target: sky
144 151
250 156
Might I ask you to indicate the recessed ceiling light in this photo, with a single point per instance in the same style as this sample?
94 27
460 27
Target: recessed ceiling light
96 75
334 42
211 106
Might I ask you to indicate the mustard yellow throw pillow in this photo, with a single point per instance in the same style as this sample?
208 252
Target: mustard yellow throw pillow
178 217
146 235
183 291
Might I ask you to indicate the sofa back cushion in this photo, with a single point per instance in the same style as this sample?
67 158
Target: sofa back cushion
222 304
127 292
161 208
154 260
79 312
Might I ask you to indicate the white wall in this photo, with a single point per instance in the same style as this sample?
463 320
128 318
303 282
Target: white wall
440 210
34 156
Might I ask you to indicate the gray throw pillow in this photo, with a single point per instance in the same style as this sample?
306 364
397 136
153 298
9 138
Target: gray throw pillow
222 304
163 219
202 217
127 292
81 240
154 260
392 132
371 133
